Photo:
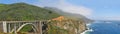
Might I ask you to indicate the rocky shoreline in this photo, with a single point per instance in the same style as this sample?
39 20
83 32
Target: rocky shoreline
69 26
87 30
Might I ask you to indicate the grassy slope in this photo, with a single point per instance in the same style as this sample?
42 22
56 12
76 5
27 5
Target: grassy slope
22 11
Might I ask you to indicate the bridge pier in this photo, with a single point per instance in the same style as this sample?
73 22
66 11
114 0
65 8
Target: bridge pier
15 29
9 27
4 27
39 28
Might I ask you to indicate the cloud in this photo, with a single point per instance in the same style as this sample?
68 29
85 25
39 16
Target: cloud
66 6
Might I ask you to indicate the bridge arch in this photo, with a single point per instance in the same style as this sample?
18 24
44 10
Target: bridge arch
34 27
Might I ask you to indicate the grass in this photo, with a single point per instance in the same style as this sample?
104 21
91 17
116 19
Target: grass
26 28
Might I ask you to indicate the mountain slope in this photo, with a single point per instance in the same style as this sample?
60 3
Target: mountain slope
70 15
22 11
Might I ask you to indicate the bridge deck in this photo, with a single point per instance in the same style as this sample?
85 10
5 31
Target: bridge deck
19 21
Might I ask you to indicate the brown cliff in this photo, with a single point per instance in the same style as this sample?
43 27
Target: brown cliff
63 25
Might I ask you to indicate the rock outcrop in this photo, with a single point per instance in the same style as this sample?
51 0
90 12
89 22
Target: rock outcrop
63 25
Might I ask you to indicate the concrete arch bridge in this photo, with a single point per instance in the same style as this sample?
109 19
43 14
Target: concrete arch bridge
16 26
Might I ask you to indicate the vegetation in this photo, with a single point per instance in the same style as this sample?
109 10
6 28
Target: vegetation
24 12
66 26
27 28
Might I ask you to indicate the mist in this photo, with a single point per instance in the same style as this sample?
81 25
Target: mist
66 7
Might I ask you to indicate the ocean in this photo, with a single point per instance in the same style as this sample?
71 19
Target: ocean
104 27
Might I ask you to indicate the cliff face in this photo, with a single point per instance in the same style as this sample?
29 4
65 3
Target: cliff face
63 25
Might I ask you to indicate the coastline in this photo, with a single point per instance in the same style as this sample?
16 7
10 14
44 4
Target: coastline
87 30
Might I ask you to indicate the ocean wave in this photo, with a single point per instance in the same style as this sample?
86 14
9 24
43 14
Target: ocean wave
88 24
89 30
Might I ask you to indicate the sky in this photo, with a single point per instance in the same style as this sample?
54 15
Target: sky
93 9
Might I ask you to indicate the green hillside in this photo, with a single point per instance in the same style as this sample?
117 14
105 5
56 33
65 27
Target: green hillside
22 11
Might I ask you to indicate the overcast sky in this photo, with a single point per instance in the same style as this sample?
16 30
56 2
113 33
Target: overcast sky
94 9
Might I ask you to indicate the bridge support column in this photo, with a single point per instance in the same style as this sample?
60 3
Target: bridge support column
4 27
15 32
40 27
9 27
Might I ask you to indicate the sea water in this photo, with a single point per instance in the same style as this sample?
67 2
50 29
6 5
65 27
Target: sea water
104 27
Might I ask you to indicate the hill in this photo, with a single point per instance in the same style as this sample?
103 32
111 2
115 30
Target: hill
70 15
23 11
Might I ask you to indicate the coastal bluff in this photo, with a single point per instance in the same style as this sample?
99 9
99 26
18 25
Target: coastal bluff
63 25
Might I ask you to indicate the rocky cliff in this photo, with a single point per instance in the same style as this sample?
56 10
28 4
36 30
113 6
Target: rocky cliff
64 25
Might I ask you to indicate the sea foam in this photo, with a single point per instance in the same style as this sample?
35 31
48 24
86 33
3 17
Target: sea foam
89 30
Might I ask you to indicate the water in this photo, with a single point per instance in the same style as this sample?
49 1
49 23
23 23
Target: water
104 27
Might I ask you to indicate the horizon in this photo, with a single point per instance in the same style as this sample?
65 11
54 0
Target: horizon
92 9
